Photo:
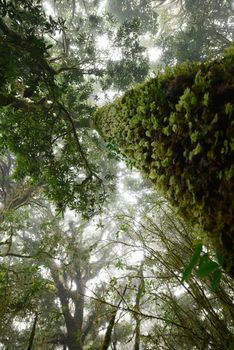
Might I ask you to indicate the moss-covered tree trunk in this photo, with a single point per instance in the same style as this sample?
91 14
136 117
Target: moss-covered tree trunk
178 129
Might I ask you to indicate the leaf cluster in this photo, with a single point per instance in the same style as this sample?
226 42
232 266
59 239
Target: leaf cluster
37 112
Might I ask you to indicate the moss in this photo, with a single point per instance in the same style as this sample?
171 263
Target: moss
178 129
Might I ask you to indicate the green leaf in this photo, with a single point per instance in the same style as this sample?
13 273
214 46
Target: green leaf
49 47
193 262
206 266
216 279
119 265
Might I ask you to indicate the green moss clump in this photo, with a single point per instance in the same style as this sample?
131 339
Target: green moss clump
178 129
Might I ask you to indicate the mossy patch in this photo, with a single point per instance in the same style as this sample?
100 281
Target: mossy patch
178 129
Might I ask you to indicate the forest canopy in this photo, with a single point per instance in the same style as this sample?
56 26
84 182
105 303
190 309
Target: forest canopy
93 254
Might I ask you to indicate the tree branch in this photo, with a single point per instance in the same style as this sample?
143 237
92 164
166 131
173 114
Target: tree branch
133 311
18 103
69 118
18 255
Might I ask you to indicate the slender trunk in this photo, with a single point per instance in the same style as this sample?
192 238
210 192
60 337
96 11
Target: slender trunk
107 339
137 334
137 316
33 332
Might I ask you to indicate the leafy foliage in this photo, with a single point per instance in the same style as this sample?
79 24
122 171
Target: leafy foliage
133 66
193 262
196 31
142 10
37 112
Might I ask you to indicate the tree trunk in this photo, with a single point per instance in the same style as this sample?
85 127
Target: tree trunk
178 130
72 342
73 323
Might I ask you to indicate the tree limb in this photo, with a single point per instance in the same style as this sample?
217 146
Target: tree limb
69 118
18 255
